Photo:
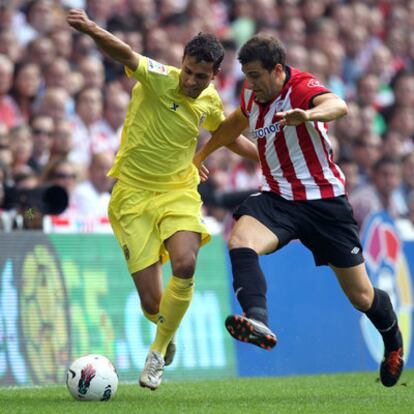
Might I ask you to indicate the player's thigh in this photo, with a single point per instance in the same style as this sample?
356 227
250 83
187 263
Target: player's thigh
149 285
181 227
251 233
356 285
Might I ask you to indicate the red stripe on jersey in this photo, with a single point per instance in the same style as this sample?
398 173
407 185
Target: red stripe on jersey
243 103
261 146
331 163
249 105
312 162
298 189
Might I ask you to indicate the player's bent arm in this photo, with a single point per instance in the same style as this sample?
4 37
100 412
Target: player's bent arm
227 133
115 48
244 147
327 107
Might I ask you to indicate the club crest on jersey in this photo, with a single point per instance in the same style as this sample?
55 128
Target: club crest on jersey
314 83
266 130
157 67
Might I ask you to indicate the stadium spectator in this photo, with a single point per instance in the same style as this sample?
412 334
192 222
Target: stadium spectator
6 156
403 193
377 194
91 197
21 146
42 137
55 102
62 144
115 109
366 152
9 111
41 51
88 132
93 72
26 87
62 172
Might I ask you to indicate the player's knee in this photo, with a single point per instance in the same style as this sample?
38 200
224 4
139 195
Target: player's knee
361 301
237 241
150 304
184 266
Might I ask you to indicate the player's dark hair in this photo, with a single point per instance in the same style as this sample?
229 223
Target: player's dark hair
265 48
205 47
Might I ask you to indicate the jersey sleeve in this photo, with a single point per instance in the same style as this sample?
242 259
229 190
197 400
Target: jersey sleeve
216 115
306 88
149 72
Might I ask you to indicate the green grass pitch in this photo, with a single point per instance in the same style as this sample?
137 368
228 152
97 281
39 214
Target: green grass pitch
331 394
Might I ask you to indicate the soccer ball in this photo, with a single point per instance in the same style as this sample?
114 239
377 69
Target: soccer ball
92 378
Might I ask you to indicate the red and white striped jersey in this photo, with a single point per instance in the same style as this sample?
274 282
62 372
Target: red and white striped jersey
297 161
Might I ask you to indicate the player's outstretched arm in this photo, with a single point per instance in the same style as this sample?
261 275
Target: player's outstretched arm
226 134
107 42
327 107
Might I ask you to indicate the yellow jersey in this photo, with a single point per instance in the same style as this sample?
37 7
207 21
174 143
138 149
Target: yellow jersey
161 128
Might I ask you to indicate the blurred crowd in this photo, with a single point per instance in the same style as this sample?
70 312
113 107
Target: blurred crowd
62 104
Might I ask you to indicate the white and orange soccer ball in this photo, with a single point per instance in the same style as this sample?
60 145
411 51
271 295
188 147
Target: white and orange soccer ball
92 378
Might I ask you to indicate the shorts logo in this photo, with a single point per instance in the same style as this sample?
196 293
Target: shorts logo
126 251
355 250
161 319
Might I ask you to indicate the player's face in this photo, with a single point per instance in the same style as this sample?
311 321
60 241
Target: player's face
264 83
195 76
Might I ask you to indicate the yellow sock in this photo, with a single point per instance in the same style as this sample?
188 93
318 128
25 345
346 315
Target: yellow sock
174 303
151 317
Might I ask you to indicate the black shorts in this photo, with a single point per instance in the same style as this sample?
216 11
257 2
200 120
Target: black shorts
326 227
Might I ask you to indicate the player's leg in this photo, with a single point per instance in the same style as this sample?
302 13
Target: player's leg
249 239
376 304
182 247
149 285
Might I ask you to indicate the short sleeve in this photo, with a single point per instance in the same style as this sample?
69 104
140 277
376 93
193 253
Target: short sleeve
149 72
306 88
216 115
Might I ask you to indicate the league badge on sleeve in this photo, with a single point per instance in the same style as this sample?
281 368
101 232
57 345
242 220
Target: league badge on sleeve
157 67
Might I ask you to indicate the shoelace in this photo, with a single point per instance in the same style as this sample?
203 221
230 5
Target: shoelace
153 366
394 361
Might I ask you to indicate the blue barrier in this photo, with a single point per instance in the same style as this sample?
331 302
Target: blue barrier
317 328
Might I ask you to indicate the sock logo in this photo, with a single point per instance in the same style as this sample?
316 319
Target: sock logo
238 290
126 251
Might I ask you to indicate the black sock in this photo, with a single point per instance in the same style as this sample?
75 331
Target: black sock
382 315
249 283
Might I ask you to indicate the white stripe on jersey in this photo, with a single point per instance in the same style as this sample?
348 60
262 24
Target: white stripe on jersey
322 146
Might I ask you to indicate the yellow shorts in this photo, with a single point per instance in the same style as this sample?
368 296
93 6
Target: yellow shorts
142 220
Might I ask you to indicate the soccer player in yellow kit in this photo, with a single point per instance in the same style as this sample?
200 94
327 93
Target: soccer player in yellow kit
155 207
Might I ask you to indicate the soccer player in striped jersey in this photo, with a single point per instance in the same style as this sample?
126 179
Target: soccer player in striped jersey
303 196
155 207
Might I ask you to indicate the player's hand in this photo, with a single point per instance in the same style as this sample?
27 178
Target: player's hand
292 117
204 172
78 19
202 169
